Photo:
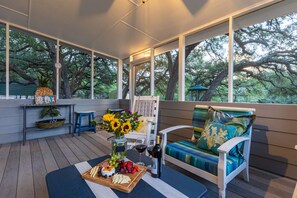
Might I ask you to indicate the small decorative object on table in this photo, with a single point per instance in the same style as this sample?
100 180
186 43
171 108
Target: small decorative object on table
120 124
44 94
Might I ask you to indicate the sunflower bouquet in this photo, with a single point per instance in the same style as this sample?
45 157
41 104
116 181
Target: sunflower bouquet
121 123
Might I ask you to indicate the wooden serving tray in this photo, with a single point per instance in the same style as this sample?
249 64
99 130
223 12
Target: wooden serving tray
128 187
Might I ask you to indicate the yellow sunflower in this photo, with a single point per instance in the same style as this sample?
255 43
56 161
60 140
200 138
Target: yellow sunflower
108 117
126 127
115 124
139 126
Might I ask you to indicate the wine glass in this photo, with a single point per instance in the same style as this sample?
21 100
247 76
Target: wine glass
149 149
140 146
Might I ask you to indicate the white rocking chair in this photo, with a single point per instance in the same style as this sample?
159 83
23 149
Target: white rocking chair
148 107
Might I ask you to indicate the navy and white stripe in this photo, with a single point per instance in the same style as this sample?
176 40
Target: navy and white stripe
67 182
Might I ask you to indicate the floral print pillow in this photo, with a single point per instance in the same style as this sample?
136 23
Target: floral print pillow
214 135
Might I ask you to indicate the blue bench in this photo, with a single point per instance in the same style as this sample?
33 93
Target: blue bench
78 122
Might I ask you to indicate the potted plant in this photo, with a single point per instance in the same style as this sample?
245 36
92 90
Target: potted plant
52 112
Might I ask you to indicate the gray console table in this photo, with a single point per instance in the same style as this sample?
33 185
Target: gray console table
31 106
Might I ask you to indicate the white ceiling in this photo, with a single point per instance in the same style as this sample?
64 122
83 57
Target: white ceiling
116 27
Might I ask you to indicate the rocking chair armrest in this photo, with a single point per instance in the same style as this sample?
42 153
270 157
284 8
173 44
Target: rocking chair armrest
227 146
170 129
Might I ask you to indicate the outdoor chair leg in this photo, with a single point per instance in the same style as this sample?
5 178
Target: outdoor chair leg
246 174
222 192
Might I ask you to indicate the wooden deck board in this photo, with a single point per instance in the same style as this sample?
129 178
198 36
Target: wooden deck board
96 141
75 149
103 141
66 151
23 168
49 160
84 148
39 170
58 154
4 152
25 187
8 187
91 146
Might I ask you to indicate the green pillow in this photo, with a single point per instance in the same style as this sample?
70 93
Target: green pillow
214 135
217 116
241 122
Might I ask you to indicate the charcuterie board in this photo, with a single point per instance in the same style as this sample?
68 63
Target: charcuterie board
127 187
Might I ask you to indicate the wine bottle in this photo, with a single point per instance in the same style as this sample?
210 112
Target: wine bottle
156 159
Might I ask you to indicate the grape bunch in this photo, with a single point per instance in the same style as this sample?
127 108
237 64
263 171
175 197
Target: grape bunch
114 161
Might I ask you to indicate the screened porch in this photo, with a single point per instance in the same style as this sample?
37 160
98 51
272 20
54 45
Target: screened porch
98 55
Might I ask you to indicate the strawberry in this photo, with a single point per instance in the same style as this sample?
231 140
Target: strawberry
133 171
136 168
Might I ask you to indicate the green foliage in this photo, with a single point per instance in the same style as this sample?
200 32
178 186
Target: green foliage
50 111
265 66
43 81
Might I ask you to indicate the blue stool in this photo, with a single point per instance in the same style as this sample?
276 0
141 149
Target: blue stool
78 121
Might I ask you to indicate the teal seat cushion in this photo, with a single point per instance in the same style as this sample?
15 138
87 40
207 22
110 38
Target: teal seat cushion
188 152
214 135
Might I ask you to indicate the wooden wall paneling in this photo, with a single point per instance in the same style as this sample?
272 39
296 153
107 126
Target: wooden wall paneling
176 113
11 124
276 153
176 121
124 104
275 124
273 166
274 138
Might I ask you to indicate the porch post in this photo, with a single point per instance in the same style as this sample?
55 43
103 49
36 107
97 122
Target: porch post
92 75
181 68
120 79
7 61
131 81
230 61
57 66
152 71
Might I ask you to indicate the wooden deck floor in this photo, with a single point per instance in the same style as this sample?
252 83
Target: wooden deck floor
23 168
